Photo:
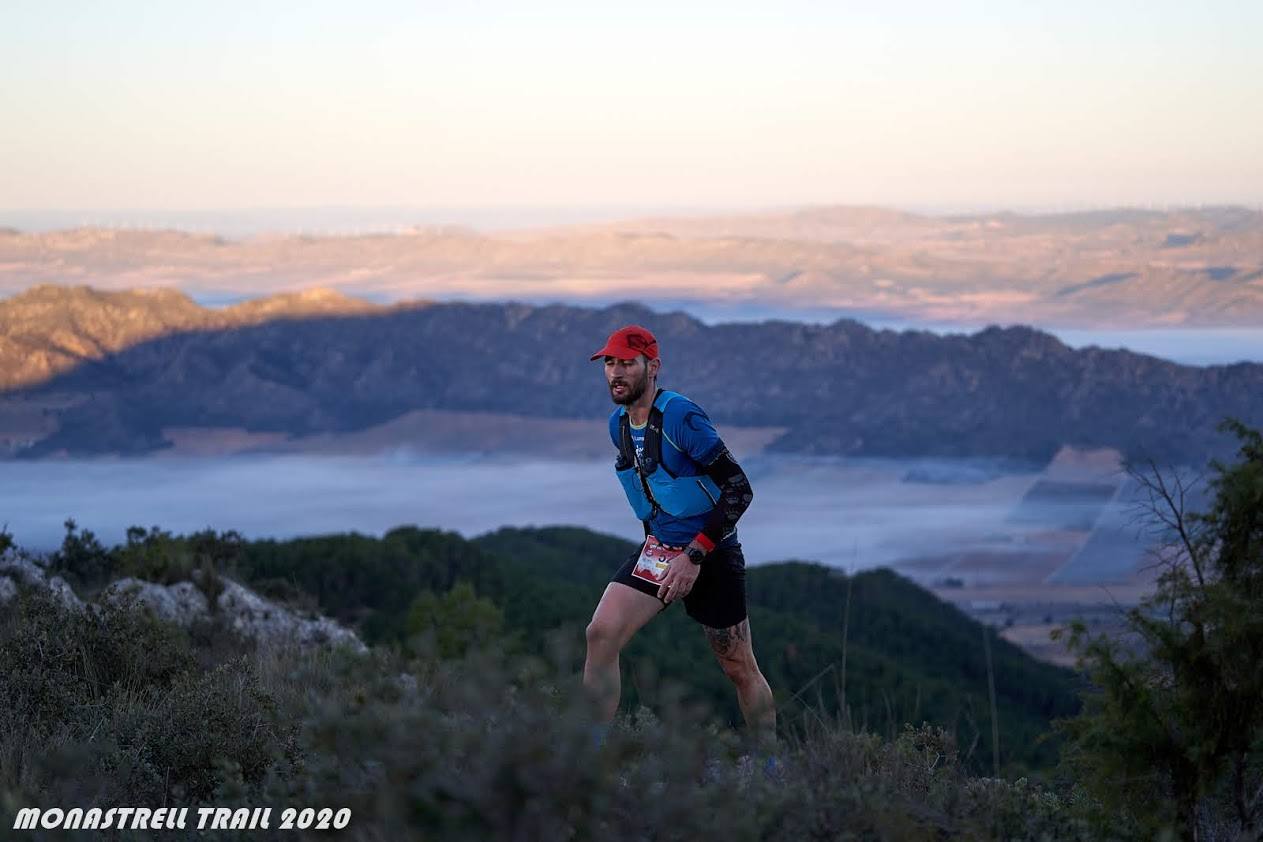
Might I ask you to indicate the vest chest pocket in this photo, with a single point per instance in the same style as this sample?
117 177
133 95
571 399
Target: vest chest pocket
683 496
629 479
654 487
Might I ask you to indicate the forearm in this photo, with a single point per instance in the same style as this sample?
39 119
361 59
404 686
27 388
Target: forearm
735 495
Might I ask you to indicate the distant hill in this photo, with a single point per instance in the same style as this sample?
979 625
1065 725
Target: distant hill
1201 266
324 364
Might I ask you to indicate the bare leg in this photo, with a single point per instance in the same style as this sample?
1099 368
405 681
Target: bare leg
622 612
734 649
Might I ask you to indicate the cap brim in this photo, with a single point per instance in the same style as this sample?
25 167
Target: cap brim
623 353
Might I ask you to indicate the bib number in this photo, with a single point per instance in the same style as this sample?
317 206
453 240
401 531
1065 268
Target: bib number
655 560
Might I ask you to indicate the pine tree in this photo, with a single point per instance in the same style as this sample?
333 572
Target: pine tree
1172 732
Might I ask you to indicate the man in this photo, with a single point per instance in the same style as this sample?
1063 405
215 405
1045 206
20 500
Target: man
684 485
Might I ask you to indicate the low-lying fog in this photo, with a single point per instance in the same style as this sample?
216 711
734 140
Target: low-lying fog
852 514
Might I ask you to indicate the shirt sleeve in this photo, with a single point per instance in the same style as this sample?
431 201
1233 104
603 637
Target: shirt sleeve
735 495
614 431
691 431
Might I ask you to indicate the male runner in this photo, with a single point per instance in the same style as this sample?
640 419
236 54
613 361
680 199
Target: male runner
685 486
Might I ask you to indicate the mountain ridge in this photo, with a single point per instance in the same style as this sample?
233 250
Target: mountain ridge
841 389
47 329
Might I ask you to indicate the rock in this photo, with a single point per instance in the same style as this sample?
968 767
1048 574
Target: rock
182 603
24 570
238 608
19 569
254 617
61 590
407 683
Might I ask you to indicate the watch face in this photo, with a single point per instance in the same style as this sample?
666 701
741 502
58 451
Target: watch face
696 555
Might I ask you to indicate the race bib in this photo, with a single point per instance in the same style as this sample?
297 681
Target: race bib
655 560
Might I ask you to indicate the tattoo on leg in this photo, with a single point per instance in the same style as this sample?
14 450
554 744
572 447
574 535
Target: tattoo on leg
724 642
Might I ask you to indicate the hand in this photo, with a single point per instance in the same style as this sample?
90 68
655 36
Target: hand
679 579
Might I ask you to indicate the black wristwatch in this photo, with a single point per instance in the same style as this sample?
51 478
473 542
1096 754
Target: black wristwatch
696 555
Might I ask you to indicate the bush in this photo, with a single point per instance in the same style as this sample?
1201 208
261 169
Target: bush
109 705
486 746
454 622
81 559
153 555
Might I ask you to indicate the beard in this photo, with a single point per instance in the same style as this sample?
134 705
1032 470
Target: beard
634 390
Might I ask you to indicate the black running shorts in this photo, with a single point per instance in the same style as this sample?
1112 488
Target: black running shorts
718 598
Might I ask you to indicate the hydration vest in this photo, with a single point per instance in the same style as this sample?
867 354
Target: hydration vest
649 484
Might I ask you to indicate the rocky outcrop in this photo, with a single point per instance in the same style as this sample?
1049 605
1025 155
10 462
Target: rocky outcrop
237 608
20 570
23 570
259 619
182 603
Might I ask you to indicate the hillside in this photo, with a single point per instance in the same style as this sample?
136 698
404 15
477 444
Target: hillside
908 656
839 389
48 329
113 708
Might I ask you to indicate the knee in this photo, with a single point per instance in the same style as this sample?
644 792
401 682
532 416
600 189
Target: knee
740 671
602 636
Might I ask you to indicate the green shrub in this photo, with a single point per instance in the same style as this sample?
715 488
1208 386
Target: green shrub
454 622
1171 734
485 746
82 559
55 660
109 705
156 555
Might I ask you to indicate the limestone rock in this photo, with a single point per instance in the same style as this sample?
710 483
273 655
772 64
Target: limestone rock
237 608
8 589
19 569
23 570
61 590
251 615
182 603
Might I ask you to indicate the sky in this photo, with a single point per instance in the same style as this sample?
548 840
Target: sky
922 105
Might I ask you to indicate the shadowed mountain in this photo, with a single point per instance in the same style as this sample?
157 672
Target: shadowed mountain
839 389
49 329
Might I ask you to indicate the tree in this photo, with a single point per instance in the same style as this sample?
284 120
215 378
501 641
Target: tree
82 558
455 621
1172 733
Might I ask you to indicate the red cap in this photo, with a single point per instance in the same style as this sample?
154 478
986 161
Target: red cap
626 342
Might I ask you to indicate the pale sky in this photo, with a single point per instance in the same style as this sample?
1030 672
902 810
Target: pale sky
192 105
